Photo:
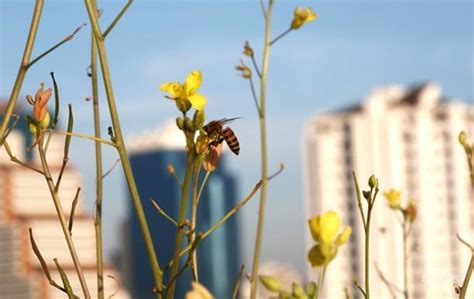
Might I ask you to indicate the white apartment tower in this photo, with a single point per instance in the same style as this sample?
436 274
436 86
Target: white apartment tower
408 138
25 202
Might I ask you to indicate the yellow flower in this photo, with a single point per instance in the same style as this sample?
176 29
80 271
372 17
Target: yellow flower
324 230
394 197
186 92
198 292
301 16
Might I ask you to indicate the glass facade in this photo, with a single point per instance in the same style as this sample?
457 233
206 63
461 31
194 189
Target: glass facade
219 256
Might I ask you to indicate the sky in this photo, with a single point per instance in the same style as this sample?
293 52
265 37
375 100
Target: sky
335 61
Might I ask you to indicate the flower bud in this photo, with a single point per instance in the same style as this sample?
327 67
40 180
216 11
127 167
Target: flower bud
171 168
248 51
198 119
411 211
302 16
183 105
373 182
46 121
188 124
180 123
366 194
462 138
298 291
311 289
244 70
271 283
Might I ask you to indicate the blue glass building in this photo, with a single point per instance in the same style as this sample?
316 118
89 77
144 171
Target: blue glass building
218 255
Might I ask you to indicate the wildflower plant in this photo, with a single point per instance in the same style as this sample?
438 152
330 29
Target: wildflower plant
409 213
469 150
369 195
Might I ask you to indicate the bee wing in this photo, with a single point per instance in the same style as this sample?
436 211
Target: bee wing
228 120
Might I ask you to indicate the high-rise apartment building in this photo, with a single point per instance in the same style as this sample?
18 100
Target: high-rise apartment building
25 202
218 255
408 138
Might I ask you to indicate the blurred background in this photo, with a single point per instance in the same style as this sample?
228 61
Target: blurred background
344 59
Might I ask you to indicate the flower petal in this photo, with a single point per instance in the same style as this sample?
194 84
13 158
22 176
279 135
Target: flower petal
192 83
173 88
198 101
314 227
342 238
330 223
310 15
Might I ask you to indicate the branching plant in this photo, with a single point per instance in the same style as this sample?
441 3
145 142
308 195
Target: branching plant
204 141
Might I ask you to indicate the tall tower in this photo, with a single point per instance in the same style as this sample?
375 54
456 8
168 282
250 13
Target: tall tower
408 138
219 255
25 202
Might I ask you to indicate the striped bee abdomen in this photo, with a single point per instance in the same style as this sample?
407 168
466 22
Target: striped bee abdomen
231 140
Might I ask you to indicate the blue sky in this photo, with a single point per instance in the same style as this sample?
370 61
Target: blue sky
353 47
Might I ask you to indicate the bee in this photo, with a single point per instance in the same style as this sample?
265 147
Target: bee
217 133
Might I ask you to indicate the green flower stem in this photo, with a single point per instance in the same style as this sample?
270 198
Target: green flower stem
280 36
406 229
62 220
320 282
204 181
263 140
99 172
120 144
467 278
84 136
194 208
181 220
16 160
23 67
367 252
117 18
65 40
226 217
470 269
163 213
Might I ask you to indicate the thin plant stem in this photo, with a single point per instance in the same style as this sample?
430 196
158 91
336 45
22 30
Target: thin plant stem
390 286
120 144
254 96
99 177
470 269
16 160
280 36
238 282
62 220
367 252
83 136
117 18
229 214
23 67
263 141
255 65
163 213
320 282
204 181
194 208
181 220
65 40
406 230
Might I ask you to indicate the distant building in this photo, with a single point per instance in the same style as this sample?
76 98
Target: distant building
219 255
25 202
408 138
